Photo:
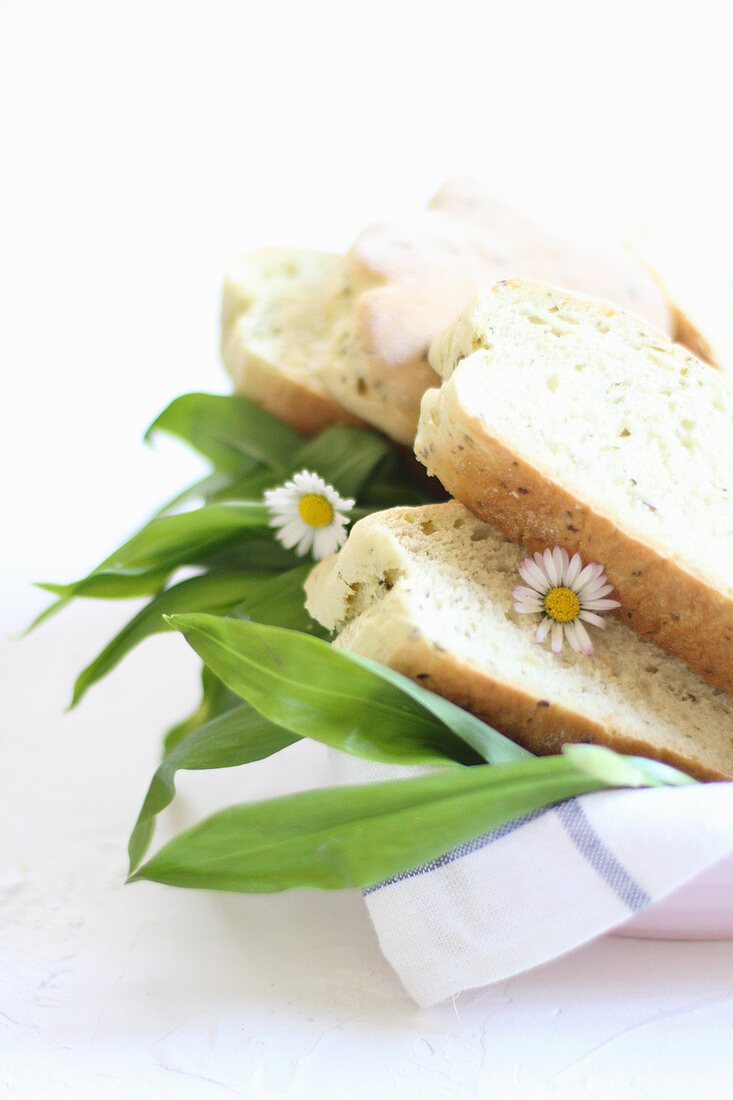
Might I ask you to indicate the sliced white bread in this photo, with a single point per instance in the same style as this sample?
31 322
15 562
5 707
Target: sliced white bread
699 297
275 330
310 335
566 422
428 592
407 278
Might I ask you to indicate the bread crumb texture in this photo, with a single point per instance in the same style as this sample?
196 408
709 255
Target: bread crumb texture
350 334
427 591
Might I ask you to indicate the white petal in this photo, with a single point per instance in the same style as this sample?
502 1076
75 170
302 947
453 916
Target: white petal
338 502
529 595
574 567
550 569
598 591
533 575
585 642
572 636
556 634
590 617
600 605
542 629
588 574
529 604
305 543
325 542
560 558
527 609
294 530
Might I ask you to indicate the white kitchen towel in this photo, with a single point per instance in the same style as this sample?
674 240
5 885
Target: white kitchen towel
542 884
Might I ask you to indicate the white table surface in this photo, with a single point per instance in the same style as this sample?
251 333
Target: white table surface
142 146
109 990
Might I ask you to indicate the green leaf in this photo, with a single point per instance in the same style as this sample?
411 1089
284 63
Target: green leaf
214 592
378 495
280 601
237 737
615 770
105 585
216 699
250 487
307 686
181 539
344 457
491 746
359 835
206 489
233 433
251 552
143 564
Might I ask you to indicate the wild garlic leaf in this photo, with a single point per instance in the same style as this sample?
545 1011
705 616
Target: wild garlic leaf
216 699
624 771
235 435
238 736
359 835
344 457
492 746
315 690
104 584
279 600
206 489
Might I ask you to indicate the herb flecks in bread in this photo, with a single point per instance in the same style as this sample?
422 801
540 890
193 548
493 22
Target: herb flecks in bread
564 421
428 592
315 337
277 316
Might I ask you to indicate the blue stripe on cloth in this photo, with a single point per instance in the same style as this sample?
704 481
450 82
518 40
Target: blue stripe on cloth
462 850
579 830
592 848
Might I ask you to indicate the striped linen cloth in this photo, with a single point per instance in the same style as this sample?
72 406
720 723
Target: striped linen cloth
541 885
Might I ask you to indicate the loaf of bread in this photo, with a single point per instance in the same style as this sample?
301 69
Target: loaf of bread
564 421
310 335
428 592
275 330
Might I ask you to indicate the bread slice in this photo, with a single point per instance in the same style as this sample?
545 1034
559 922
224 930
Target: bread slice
566 422
275 328
428 592
408 277
699 297
317 338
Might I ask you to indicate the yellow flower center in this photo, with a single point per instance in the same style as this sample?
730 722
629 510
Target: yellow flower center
561 604
315 510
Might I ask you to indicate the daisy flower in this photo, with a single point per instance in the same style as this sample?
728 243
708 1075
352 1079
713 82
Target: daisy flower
566 595
308 515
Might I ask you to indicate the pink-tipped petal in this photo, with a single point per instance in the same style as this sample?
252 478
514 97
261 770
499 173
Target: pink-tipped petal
600 605
572 636
556 633
533 575
543 629
584 641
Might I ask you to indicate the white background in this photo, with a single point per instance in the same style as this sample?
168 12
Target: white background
142 145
